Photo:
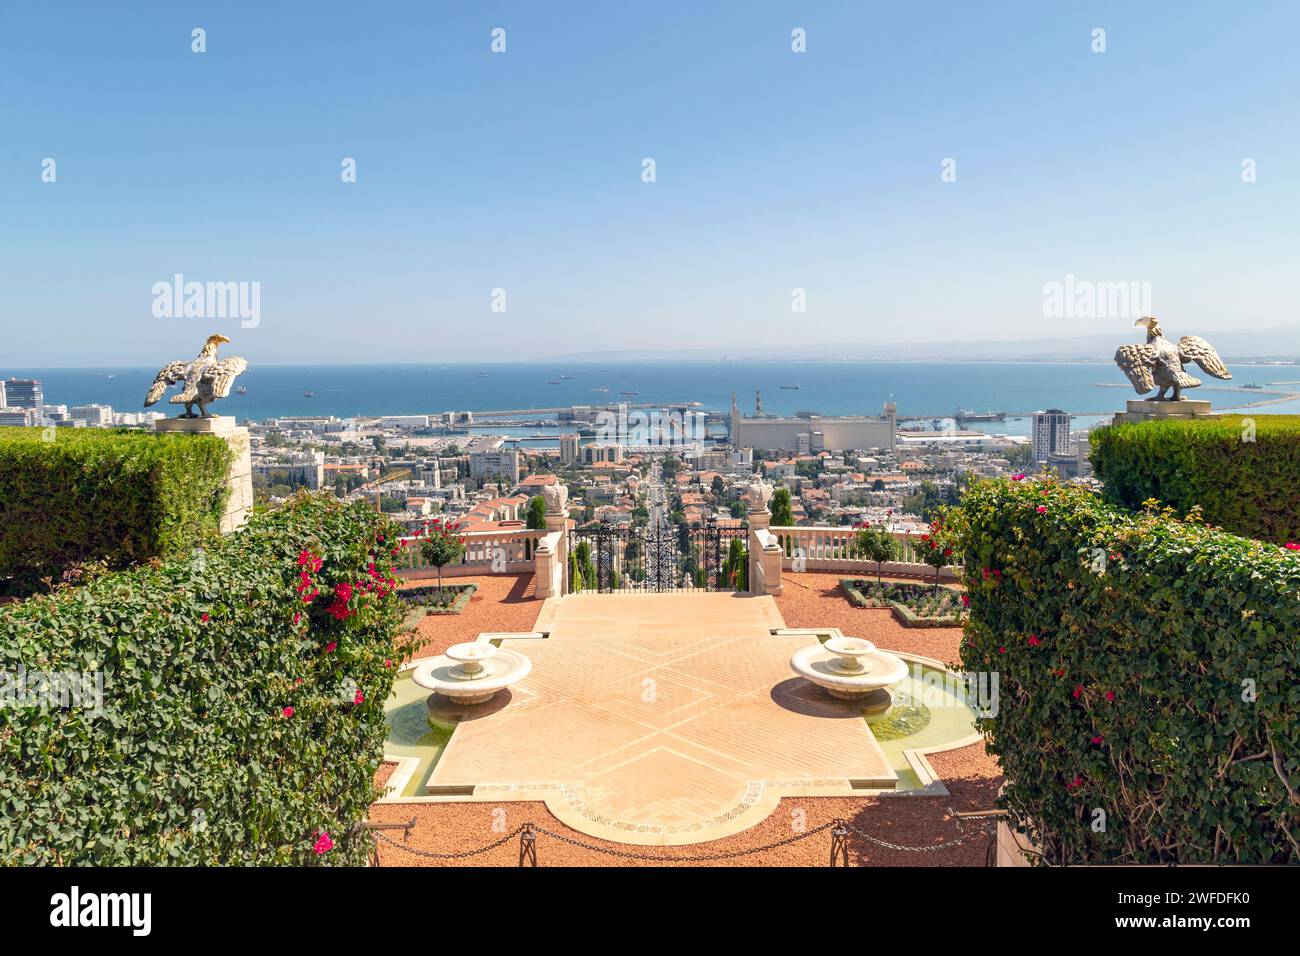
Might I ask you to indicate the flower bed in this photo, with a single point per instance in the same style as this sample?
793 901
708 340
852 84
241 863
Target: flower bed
913 605
431 599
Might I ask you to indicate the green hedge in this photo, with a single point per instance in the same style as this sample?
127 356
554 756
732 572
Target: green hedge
1245 478
194 758
89 495
1128 649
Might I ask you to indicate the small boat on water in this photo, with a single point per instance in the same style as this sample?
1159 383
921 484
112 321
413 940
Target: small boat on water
601 388
628 394
552 383
242 390
790 388
308 394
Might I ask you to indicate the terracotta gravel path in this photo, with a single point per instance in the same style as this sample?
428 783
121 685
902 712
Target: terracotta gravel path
505 602
814 599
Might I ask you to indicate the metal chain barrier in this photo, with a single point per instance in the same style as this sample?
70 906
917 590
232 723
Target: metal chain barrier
703 858
463 854
982 831
839 850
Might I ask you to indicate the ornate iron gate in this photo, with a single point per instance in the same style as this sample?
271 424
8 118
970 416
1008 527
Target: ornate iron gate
662 557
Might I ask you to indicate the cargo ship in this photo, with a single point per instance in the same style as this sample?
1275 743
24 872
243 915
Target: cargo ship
967 415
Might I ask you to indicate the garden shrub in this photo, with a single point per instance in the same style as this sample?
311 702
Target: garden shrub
1243 471
242 713
96 495
1149 669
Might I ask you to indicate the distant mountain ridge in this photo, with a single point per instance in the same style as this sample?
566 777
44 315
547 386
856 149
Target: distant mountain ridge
1282 342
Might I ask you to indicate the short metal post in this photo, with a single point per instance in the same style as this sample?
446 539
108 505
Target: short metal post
839 843
528 845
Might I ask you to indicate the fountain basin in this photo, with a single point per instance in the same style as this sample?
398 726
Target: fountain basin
867 684
472 673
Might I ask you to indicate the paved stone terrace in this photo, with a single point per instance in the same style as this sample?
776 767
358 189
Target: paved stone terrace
506 603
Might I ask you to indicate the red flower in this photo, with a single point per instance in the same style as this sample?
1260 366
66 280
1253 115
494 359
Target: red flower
304 556
287 712
997 573
1075 783
329 648
1078 691
388 662
297 616
323 844
1019 477
1110 695
1098 739
1042 509
965 600
343 591
1033 640
1291 546
359 698
947 552
1002 650
985 572
206 617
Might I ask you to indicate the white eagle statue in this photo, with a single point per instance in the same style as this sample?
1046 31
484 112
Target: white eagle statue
205 379
1159 363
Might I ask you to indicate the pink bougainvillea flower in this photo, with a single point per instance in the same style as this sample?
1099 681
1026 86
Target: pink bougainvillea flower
339 610
1110 695
297 616
1034 641
1292 546
1074 784
985 572
298 682
287 712
997 573
1019 477
388 662
329 648
1002 650
1098 739
360 698
323 844
1042 509
206 617
1078 691
304 556
965 600
343 591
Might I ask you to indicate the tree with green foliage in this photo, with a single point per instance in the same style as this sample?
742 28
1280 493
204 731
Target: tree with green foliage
875 544
735 569
936 547
586 566
441 546
718 487
782 512
536 519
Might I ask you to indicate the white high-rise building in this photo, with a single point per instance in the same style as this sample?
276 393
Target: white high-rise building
1051 434
569 453
94 415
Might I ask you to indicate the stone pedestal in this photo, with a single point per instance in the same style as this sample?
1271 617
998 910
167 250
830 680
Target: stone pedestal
1147 409
239 503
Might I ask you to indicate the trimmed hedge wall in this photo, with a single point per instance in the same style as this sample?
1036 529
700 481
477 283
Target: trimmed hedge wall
243 695
1247 482
1149 669
98 495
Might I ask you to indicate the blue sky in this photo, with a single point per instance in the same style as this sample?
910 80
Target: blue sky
522 171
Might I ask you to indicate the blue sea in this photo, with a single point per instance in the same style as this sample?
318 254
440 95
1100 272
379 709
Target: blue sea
1093 392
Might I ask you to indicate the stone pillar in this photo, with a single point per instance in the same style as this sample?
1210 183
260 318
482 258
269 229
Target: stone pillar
239 503
1147 409
557 519
758 521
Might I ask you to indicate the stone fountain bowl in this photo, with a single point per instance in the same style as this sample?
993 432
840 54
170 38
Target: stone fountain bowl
453 673
823 665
